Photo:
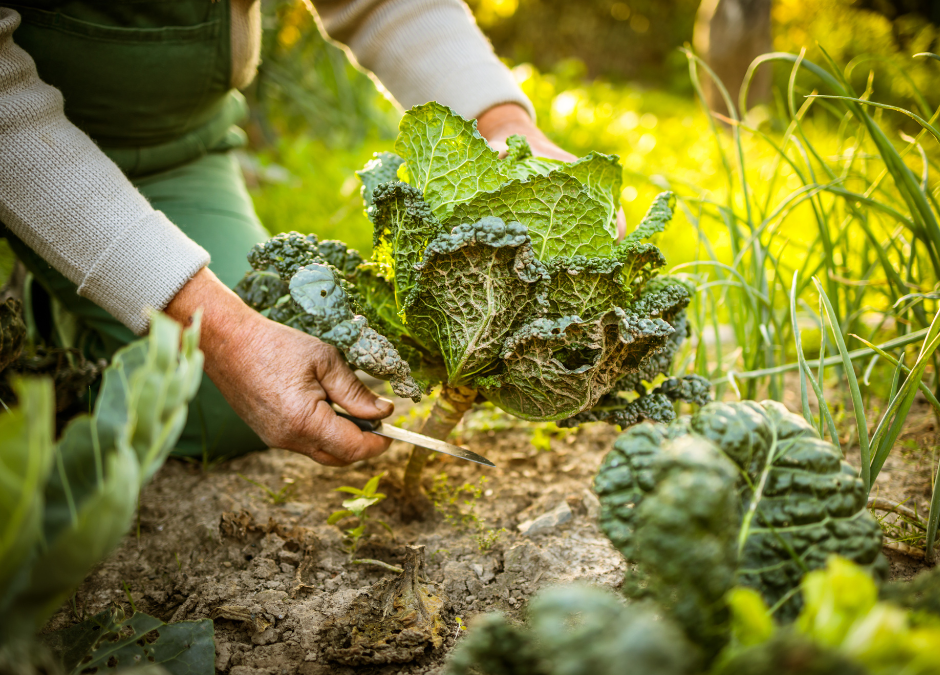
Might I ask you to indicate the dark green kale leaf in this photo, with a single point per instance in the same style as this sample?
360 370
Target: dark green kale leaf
404 225
575 630
382 168
285 253
261 289
310 285
671 506
797 502
327 314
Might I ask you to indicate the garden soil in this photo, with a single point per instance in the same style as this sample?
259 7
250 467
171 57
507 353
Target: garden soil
278 580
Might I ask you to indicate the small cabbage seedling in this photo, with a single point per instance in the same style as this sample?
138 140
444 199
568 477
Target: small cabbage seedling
278 497
499 279
357 507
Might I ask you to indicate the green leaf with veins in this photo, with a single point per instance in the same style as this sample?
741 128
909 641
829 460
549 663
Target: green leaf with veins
447 158
586 287
602 176
562 216
555 368
657 217
404 225
476 286
531 166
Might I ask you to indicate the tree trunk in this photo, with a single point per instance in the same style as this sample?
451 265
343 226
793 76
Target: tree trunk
729 34
446 414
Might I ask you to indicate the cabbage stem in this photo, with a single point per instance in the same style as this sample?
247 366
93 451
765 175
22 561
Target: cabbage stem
446 414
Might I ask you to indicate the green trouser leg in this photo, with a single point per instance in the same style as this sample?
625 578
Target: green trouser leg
208 200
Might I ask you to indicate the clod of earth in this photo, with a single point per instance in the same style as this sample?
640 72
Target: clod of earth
396 621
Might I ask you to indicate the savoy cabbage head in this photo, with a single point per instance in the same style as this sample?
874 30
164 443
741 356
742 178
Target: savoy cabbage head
738 493
501 275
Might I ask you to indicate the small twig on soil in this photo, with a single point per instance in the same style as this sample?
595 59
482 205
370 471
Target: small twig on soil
881 504
905 549
377 563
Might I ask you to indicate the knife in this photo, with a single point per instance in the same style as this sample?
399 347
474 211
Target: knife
382 429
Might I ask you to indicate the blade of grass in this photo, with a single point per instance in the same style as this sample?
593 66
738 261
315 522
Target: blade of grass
804 396
824 412
900 368
933 518
823 350
860 421
901 341
931 129
887 431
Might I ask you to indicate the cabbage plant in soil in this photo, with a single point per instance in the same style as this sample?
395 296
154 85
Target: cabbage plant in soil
500 279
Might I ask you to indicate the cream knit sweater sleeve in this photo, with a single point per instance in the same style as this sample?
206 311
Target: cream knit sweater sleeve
72 205
423 50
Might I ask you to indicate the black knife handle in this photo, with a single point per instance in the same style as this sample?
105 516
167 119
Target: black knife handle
364 425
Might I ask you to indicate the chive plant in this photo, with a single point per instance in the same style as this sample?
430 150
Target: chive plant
859 227
860 220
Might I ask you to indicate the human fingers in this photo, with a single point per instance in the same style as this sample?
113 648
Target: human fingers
329 439
344 388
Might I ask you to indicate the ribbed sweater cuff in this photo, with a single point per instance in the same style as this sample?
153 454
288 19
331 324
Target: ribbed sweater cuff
143 269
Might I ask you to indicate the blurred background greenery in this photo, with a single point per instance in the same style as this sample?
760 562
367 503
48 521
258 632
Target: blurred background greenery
603 75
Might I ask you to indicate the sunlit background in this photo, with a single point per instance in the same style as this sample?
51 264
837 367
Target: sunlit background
607 76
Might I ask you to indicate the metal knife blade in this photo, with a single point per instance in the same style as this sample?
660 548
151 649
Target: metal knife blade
382 429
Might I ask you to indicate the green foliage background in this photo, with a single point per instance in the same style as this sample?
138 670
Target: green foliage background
598 83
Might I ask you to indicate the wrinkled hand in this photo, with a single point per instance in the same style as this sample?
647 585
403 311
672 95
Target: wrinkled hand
502 121
280 380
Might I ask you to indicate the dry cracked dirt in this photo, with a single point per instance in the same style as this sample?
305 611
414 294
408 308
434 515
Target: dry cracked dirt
280 583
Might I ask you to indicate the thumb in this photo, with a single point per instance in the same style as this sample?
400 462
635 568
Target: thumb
346 390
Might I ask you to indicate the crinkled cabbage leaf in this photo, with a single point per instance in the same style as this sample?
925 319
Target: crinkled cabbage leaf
499 274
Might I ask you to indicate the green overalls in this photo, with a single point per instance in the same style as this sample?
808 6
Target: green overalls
149 81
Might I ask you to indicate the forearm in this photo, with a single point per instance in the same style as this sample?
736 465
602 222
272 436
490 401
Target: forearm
66 200
423 50
228 325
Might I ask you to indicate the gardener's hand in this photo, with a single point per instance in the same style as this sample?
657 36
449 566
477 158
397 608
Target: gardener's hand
278 379
502 121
